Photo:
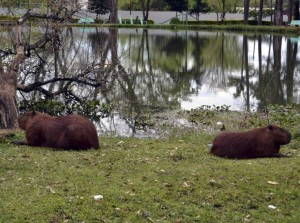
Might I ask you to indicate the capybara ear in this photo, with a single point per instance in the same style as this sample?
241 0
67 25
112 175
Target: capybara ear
270 127
34 113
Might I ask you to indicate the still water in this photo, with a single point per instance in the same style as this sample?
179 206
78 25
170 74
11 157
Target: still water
187 69
144 71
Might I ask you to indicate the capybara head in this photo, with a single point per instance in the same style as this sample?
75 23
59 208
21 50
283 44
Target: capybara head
279 135
26 117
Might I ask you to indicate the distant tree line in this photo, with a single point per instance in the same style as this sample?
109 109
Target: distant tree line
257 9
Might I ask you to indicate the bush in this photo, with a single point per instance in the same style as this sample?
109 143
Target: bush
225 22
175 21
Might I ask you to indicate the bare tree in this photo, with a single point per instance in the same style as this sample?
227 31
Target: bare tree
8 85
31 57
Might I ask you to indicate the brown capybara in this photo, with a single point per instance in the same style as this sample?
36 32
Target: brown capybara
260 142
64 132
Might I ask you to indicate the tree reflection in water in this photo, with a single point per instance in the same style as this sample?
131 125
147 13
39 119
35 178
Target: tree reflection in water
144 71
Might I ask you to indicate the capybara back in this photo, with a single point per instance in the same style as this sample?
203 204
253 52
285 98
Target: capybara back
260 142
66 132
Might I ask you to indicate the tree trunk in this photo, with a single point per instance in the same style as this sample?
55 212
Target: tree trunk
223 11
296 10
8 87
8 104
276 85
113 7
113 33
290 11
290 69
246 11
145 7
246 63
260 13
278 16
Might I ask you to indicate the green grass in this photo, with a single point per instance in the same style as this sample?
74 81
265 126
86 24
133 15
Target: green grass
146 180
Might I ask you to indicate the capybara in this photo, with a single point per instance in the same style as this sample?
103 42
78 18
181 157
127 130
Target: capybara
260 142
64 132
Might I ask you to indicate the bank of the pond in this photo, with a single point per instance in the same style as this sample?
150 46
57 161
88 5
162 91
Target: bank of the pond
288 30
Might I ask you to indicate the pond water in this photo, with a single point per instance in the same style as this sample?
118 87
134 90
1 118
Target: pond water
154 70
187 69
181 69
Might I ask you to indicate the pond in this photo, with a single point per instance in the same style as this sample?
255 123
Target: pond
149 70
187 69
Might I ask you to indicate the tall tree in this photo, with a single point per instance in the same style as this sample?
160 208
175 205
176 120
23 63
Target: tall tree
260 12
113 8
221 7
290 10
278 14
145 8
99 7
246 11
296 10
199 7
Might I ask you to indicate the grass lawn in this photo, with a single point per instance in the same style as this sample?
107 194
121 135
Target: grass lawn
147 180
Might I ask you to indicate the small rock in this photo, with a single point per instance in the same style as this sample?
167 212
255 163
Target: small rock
273 182
98 197
272 207
212 182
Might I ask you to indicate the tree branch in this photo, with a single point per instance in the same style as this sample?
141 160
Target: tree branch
39 84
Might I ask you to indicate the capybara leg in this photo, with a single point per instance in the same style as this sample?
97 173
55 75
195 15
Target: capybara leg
279 155
20 142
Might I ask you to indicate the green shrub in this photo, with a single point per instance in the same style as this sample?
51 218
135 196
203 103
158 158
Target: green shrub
175 21
226 22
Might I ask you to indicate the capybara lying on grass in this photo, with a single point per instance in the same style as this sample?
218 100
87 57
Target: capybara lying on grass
260 142
64 132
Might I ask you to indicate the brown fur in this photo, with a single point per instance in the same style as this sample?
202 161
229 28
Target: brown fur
65 132
260 142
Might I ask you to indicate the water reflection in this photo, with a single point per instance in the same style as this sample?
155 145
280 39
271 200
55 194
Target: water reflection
186 69
152 70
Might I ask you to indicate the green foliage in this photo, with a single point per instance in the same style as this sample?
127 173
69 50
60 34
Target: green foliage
177 5
199 7
175 21
98 6
206 113
284 115
8 18
135 5
266 13
226 22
